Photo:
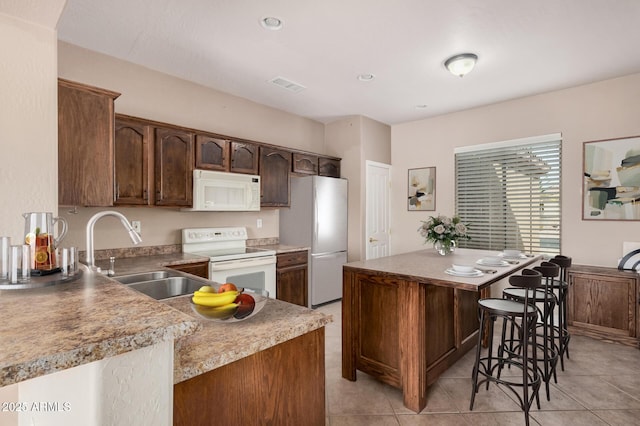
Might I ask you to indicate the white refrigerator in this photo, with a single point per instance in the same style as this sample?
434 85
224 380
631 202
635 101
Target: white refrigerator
317 219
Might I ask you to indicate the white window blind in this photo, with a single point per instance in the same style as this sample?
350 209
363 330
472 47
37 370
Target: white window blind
509 194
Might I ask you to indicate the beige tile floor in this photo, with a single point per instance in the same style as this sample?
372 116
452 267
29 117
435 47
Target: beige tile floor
600 386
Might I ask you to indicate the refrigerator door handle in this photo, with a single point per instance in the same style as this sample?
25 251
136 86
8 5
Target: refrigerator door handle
315 213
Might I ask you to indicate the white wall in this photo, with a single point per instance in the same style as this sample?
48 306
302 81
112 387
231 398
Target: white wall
357 139
602 110
134 388
28 121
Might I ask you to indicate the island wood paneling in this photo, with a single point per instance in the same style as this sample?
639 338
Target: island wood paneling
282 385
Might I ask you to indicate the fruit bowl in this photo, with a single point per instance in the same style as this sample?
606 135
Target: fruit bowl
247 303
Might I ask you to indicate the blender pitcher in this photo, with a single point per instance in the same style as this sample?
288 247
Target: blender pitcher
39 230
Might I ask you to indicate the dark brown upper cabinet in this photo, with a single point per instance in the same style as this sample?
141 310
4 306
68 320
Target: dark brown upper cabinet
329 167
212 153
275 165
131 166
244 157
305 163
85 145
174 161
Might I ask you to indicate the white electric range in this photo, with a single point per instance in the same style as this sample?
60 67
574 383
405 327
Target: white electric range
230 260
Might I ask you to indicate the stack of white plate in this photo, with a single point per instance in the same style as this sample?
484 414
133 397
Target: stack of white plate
512 254
459 270
492 261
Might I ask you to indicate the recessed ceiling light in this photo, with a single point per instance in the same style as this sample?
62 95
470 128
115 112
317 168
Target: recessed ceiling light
271 23
366 77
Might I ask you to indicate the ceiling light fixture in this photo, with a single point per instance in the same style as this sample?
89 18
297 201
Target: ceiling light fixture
366 77
271 23
461 64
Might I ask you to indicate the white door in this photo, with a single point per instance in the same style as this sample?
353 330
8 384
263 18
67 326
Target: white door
378 184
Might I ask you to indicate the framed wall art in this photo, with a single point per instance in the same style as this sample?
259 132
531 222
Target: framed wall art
611 174
422 189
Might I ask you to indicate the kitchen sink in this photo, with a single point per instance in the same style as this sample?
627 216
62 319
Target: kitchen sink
146 276
162 284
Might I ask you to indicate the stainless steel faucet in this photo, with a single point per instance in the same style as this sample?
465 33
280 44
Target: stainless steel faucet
89 258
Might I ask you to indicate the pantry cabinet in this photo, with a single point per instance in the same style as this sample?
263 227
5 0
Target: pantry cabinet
603 303
85 145
173 170
131 168
274 177
212 153
244 158
292 277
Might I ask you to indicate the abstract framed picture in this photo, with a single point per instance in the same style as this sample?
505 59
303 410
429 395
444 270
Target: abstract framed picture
421 189
611 179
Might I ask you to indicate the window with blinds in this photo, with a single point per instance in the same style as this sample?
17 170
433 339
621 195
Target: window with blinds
509 194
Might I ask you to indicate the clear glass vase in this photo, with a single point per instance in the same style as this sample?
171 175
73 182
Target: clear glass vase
444 247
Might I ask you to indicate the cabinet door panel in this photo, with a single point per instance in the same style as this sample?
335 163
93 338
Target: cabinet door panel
274 177
603 301
200 269
244 158
328 167
174 167
85 145
212 153
305 163
131 163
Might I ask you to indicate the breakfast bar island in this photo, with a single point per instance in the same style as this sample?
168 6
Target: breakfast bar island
405 320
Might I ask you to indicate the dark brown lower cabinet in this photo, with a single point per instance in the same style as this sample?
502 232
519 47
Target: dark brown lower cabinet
292 277
200 269
283 385
603 303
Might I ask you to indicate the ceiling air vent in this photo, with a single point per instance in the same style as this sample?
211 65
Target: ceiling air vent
287 84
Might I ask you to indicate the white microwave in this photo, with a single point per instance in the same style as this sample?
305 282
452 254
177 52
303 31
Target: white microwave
221 191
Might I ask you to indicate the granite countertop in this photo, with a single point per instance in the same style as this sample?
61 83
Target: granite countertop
428 265
95 317
282 248
54 328
133 265
220 343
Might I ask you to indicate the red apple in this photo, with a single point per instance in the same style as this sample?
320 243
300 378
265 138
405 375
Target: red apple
227 287
246 304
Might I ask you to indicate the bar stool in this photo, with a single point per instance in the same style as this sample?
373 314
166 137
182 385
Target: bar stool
524 315
561 285
545 328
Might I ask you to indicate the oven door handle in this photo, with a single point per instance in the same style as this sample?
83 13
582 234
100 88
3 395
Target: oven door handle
242 263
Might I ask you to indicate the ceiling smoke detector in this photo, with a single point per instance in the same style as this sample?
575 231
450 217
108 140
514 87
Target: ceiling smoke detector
287 84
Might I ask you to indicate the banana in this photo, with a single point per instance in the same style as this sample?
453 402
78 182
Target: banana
214 300
221 312
199 293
